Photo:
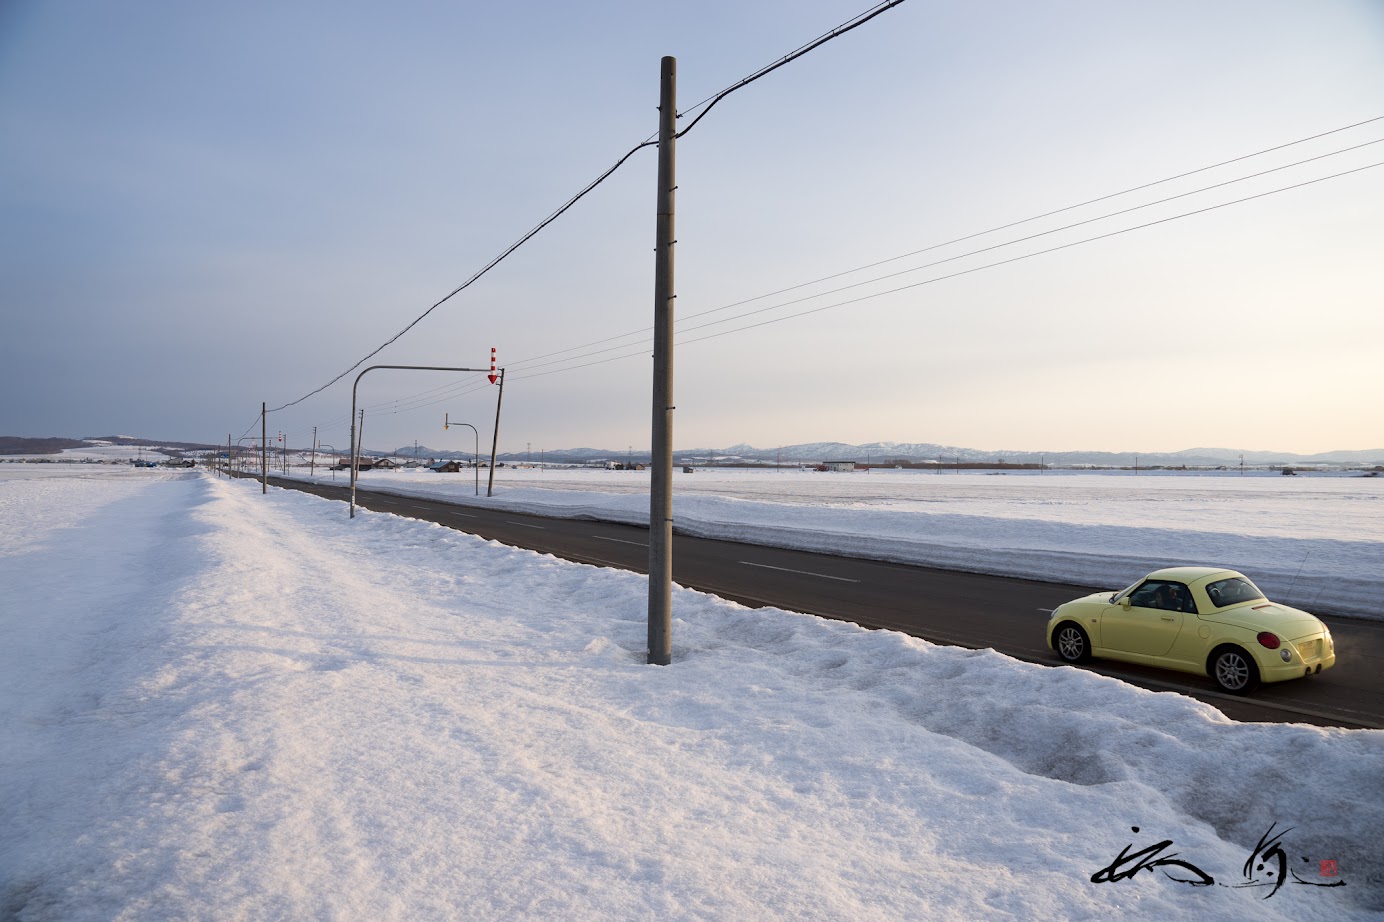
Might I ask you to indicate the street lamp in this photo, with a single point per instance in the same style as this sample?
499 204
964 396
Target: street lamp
247 438
357 436
334 452
476 458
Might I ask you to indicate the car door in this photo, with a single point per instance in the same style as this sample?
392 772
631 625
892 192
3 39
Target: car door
1149 627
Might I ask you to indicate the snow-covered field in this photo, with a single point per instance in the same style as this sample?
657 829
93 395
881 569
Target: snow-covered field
104 452
221 705
1313 541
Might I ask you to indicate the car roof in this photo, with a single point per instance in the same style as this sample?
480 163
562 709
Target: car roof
1191 574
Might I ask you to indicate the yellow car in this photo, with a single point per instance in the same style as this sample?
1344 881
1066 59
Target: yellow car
1201 620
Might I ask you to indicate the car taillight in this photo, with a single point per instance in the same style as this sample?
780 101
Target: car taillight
1267 639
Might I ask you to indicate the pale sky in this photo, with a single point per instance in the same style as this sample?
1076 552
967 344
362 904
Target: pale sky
206 206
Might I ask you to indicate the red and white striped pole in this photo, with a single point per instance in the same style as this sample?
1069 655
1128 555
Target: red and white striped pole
492 376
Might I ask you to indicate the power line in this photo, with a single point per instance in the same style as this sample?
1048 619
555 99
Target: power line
1003 262
684 341
853 23
930 265
469 282
834 33
972 236
643 348
453 391
1055 230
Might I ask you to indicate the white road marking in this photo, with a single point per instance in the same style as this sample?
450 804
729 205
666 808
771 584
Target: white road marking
1048 610
841 579
525 525
621 541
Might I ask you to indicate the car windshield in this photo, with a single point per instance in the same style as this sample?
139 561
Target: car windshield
1124 592
1233 591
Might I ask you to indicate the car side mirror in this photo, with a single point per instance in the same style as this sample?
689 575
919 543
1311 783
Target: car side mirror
1125 603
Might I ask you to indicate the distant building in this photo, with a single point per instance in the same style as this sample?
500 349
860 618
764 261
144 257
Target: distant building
446 467
384 464
838 466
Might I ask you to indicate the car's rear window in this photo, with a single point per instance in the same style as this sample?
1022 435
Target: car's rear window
1233 591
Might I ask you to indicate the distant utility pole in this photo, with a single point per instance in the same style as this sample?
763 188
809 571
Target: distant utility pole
661 457
264 449
495 435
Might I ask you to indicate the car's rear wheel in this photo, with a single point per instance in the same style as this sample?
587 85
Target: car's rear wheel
1071 643
1234 671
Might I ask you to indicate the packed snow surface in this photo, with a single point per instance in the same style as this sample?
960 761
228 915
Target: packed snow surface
1312 541
221 705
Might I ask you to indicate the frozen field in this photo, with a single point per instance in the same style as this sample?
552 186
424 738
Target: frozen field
1313 541
221 705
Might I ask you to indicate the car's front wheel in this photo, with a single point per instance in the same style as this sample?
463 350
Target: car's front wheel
1234 671
1071 643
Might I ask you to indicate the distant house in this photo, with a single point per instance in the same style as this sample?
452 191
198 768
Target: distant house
446 467
838 465
384 464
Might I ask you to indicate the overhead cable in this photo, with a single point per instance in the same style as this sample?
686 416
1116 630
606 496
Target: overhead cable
834 33
853 23
972 236
682 340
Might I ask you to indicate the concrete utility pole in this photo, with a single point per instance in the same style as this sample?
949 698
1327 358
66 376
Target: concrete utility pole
312 462
661 457
495 436
264 449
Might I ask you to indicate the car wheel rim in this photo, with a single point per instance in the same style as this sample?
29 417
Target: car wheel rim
1069 644
1232 671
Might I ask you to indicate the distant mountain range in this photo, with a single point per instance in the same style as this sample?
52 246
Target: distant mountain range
875 453
884 453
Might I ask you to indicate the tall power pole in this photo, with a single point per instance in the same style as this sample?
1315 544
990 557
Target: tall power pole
661 459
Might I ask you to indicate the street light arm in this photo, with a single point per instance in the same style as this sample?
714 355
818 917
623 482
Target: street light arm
476 457
355 445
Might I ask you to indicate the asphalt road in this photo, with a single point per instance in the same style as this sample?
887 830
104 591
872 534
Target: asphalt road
943 606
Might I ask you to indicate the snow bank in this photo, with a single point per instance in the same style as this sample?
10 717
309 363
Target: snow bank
1313 542
224 705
